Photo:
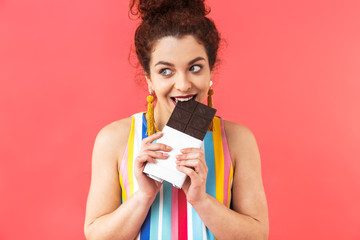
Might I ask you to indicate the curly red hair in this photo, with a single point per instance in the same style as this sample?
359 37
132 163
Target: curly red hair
162 18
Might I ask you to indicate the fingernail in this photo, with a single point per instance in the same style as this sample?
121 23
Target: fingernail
177 156
168 147
165 154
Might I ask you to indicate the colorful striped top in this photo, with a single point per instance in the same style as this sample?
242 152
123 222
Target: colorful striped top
170 215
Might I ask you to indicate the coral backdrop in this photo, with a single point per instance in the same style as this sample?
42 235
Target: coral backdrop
290 71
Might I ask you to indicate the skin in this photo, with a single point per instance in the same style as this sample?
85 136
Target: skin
178 67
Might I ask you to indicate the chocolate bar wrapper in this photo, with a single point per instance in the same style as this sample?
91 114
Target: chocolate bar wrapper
165 169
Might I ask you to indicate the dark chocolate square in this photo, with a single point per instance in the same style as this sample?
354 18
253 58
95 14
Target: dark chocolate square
198 122
188 105
176 125
205 111
181 115
195 133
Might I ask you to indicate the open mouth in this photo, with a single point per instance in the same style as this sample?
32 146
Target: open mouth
182 98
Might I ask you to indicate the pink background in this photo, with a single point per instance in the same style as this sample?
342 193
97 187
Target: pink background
290 71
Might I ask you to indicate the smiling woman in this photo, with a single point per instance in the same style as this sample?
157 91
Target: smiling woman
176 45
179 71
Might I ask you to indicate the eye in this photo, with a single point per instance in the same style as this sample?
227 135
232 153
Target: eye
195 68
165 72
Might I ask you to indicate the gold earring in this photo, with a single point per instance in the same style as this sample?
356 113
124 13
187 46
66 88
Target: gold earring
210 104
150 114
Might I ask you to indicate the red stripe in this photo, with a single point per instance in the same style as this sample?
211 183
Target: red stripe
174 214
182 215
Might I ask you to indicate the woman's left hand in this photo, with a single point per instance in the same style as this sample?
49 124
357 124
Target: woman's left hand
192 163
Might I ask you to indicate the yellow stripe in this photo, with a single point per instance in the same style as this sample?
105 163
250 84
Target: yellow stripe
123 192
230 179
219 160
130 161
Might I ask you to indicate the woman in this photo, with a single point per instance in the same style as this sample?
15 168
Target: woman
223 196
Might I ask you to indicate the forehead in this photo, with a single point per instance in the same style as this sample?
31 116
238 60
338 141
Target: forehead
177 50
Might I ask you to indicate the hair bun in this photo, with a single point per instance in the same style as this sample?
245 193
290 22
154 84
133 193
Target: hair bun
149 9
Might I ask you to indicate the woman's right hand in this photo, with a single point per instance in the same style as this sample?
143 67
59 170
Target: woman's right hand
148 153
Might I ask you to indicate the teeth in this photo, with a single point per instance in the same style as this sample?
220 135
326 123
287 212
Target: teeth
183 99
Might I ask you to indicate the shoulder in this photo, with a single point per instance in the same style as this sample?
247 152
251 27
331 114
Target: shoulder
116 131
111 140
238 133
241 141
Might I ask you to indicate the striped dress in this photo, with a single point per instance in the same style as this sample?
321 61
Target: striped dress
170 215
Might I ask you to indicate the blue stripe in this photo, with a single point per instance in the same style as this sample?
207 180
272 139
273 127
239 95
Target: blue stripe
145 228
197 225
210 162
209 235
144 126
210 180
166 221
154 224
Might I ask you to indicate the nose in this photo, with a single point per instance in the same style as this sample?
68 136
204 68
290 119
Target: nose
182 82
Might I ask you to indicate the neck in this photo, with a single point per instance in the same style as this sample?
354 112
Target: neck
161 118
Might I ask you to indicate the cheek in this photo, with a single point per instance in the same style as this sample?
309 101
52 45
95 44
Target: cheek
204 90
163 88
202 96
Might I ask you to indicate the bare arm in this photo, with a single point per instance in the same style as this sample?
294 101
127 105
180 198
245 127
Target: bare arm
106 217
249 217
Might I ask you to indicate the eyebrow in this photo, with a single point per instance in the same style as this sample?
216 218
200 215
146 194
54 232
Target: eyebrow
171 65
196 59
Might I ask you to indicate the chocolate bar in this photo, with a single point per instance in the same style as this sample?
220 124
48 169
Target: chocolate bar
187 127
192 118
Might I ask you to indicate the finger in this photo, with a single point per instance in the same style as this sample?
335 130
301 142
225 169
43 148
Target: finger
145 158
199 157
141 160
195 164
153 154
194 177
188 150
188 156
153 137
158 147
191 155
